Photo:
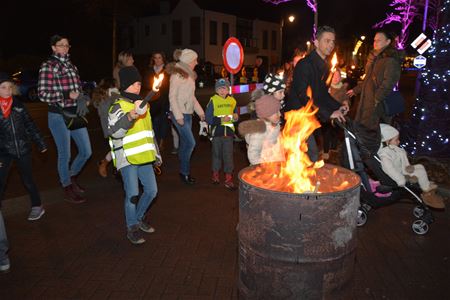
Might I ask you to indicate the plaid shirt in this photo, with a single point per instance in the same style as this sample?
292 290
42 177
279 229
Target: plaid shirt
57 78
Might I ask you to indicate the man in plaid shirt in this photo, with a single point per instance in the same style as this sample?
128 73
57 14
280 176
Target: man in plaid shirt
59 85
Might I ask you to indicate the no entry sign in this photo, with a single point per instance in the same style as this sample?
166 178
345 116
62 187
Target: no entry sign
233 55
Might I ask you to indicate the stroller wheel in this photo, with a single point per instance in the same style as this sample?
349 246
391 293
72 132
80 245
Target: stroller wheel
418 211
420 227
361 218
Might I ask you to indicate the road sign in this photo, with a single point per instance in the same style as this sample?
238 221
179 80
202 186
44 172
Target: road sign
423 42
233 55
420 61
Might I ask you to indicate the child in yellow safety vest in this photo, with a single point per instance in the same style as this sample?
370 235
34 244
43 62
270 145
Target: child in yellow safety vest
221 112
133 150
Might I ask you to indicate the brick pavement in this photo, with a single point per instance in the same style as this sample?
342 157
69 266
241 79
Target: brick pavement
80 251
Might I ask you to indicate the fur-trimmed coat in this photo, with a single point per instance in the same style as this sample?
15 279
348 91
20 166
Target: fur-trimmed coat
182 90
263 141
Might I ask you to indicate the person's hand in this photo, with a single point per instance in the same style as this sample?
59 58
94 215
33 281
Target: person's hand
202 117
82 104
132 115
350 93
337 114
235 117
226 119
73 95
346 104
140 111
180 122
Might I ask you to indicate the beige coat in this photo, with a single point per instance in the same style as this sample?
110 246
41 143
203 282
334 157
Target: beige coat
182 92
266 146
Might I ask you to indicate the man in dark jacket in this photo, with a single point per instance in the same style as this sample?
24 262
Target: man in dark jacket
313 71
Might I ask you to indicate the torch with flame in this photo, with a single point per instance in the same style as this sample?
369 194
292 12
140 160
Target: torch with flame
334 61
157 80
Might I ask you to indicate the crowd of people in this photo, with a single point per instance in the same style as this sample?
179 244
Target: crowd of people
137 127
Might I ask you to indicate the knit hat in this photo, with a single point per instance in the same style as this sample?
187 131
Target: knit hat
267 106
4 77
388 132
222 82
187 56
273 83
128 76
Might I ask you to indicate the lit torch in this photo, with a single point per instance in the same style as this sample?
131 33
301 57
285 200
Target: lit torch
334 61
157 80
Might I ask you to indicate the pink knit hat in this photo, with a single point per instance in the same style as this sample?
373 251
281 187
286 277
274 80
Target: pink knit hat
266 106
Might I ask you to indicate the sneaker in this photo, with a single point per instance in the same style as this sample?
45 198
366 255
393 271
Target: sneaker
135 236
215 177
229 182
144 226
71 196
5 266
76 187
188 179
36 213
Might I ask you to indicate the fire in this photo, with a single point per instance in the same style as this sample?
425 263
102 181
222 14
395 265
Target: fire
334 61
157 80
298 174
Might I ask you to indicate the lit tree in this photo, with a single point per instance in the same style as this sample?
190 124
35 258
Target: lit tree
405 12
428 132
431 9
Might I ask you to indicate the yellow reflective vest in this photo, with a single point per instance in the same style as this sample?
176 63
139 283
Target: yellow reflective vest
223 107
138 144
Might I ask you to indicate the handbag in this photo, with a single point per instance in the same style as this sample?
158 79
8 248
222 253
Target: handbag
72 120
394 104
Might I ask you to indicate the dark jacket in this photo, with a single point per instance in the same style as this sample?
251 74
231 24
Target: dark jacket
18 131
312 71
382 74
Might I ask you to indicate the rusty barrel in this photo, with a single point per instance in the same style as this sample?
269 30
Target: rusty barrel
296 246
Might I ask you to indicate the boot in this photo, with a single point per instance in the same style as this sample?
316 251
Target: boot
215 177
229 181
71 196
433 200
102 168
76 187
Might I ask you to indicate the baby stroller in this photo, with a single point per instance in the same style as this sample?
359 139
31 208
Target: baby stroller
386 191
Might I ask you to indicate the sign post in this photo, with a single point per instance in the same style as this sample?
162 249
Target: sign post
233 57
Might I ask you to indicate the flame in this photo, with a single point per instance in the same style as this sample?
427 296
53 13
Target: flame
157 80
298 174
334 61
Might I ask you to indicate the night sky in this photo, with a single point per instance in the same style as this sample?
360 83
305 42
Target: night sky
28 25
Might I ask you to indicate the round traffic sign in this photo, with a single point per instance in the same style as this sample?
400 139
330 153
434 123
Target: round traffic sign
233 55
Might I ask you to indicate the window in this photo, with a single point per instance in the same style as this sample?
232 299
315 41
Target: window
265 40
273 42
147 30
163 28
225 32
195 31
212 32
177 38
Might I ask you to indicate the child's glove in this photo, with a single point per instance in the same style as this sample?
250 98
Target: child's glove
409 169
203 128
140 111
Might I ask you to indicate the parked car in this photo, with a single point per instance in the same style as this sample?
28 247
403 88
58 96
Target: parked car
27 82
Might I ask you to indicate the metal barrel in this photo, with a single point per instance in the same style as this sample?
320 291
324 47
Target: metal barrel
296 246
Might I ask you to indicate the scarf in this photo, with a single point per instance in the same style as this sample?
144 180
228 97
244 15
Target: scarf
131 96
6 104
158 69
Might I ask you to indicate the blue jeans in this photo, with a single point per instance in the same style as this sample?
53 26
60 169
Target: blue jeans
3 242
134 213
187 142
62 136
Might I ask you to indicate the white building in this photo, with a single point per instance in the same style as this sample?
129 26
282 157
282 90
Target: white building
190 26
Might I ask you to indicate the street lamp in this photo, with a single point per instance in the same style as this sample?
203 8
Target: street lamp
291 19
308 45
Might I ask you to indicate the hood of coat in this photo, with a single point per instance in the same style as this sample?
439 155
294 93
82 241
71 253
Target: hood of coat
182 69
399 55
